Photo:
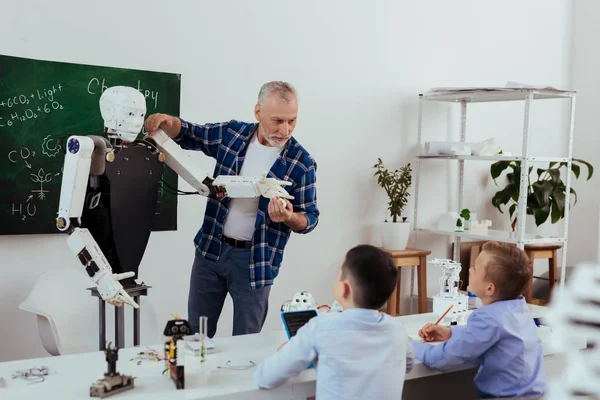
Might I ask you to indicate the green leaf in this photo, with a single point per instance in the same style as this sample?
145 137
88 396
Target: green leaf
542 191
497 168
557 211
512 209
541 214
588 165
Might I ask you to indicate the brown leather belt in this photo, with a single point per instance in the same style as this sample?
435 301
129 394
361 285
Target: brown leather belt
239 244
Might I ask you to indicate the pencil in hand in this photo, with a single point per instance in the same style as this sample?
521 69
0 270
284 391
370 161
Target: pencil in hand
444 314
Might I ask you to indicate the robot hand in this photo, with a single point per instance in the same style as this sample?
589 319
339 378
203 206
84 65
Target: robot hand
110 282
271 187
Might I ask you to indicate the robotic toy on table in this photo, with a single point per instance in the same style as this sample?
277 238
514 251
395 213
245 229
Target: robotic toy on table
110 186
305 301
113 382
449 295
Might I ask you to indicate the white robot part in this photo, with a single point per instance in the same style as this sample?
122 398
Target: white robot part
123 109
243 186
574 317
449 295
88 252
180 161
180 361
76 173
300 302
233 186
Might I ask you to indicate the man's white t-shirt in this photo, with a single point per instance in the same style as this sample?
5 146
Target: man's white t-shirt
242 212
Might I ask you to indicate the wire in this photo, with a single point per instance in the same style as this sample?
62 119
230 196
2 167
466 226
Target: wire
173 188
34 375
150 355
237 367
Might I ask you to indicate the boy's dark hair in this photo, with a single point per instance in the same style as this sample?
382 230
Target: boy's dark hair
373 275
509 268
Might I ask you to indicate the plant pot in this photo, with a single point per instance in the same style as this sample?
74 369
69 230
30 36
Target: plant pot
394 235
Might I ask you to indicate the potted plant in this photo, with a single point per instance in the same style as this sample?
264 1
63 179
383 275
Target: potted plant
459 225
546 192
395 233
466 215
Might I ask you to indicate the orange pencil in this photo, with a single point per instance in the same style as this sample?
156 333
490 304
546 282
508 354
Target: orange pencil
444 314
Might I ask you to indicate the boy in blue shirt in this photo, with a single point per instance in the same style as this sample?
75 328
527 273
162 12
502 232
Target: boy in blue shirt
501 336
359 353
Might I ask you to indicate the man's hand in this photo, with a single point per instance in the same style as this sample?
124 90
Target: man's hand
168 123
278 211
435 333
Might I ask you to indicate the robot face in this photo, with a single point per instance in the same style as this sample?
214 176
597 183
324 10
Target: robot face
123 109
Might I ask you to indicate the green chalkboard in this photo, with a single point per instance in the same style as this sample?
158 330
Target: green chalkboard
42 102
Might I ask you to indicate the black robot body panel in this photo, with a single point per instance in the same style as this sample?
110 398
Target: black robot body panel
120 206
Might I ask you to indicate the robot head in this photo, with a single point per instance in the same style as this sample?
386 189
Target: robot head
123 109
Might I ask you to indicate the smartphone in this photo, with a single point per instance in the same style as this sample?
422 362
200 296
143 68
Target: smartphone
294 320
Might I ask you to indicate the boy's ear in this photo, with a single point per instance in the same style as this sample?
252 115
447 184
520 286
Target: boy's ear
346 290
491 289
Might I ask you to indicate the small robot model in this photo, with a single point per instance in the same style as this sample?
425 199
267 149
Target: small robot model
113 382
175 330
300 302
449 294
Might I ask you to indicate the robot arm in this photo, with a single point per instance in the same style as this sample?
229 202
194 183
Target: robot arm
180 161
76 172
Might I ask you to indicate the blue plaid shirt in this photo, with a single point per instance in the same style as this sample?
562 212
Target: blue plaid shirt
227 142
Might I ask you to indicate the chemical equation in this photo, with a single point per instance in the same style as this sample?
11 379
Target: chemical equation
26 107
28 210
96 86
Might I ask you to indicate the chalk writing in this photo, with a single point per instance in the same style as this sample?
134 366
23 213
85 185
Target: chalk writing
41 177
95 86
26 107
50 146
18 155
30 210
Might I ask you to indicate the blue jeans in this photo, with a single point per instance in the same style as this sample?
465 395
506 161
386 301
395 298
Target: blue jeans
211 281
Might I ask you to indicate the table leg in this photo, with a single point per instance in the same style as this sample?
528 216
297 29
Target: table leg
136 322
529 289
120 326
398 292
422 278
101 324
552 270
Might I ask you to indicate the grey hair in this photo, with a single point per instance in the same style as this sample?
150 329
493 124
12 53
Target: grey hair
283 89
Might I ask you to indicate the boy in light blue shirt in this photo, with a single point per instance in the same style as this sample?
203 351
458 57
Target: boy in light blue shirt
359 353
501 336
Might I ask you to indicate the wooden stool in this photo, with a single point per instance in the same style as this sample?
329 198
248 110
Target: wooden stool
542 252
409 258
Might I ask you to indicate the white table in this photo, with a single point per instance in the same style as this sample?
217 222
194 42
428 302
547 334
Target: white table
75 373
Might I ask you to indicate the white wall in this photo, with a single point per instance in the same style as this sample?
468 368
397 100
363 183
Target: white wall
358 66
586 74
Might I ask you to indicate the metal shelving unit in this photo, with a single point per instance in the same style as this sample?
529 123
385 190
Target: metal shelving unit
464 96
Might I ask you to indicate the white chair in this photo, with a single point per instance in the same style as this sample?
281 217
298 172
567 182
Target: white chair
67 314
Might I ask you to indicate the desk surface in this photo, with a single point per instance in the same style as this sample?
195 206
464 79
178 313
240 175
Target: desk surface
73 374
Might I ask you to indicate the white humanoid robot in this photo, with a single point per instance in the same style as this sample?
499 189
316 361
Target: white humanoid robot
449 294
574 317
110 187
